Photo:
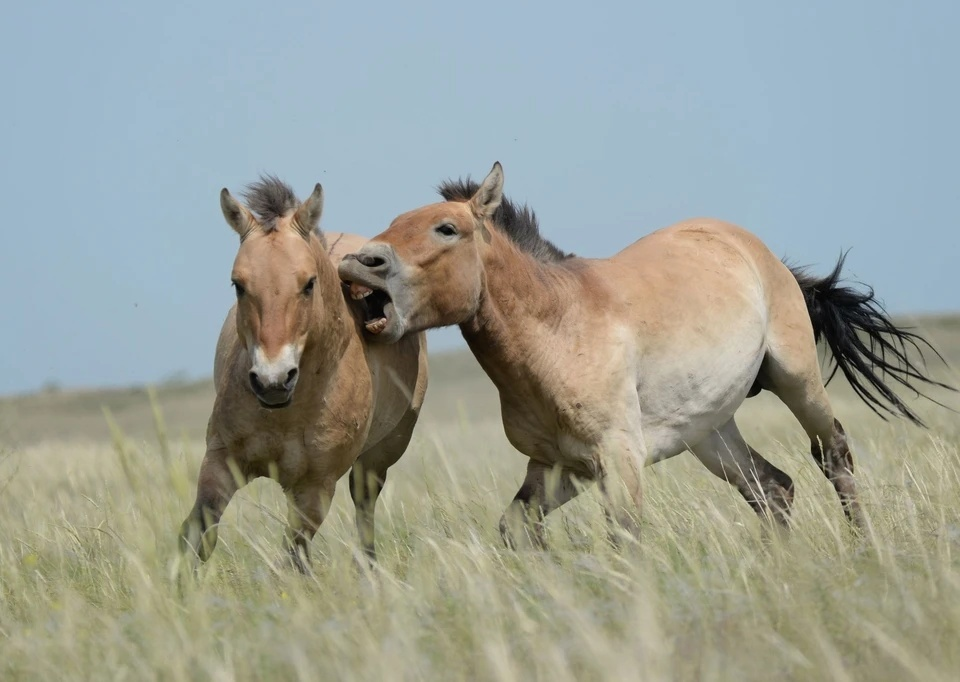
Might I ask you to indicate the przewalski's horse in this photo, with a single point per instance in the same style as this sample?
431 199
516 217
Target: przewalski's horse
301 397
607 365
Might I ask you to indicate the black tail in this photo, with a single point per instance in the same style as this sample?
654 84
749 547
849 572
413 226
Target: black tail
863 339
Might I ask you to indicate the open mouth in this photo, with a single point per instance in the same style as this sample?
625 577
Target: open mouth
374 303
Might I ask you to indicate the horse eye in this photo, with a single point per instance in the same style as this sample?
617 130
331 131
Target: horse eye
447 230
308 289
239 288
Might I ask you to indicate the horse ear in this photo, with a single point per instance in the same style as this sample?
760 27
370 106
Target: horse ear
307 218
490 194
236 214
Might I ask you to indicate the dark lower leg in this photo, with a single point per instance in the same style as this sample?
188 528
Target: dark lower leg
543 490
198 532
524 517
365 488
307 507
216 486
767 489
836 462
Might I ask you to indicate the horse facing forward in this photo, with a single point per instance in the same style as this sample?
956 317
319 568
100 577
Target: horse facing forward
301 397
607 365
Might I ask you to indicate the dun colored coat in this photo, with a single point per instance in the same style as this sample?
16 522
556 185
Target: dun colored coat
300 395
607 365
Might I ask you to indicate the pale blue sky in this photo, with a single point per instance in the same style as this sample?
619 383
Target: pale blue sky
819 125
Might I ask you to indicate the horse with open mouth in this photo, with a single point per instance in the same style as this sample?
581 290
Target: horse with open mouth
607 365
300 395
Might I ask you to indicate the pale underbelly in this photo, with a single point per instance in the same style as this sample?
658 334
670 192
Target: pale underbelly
679 403
674 419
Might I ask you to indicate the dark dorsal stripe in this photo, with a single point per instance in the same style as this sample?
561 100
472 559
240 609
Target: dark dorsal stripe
519 223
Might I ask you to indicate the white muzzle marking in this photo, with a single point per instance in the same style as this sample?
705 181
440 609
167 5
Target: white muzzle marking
274 371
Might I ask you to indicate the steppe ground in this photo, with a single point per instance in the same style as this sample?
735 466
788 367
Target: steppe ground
88 523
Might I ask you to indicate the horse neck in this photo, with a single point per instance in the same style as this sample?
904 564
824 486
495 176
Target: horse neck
523 302
331 334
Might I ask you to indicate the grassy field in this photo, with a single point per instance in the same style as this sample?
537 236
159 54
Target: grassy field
88 523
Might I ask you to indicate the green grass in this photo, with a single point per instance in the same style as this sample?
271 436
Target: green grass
88 556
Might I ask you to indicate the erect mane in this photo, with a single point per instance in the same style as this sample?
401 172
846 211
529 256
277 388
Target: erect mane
270 199
519 223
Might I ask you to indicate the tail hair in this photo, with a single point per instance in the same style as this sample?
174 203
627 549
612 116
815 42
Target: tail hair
867 347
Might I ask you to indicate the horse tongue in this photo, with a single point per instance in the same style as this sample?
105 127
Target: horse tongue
376 326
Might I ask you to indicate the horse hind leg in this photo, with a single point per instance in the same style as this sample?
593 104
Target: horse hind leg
767 489
802 391
836 462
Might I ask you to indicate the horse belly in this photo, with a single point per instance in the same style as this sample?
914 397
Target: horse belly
680 407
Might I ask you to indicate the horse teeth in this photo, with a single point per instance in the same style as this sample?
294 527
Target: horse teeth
376 326
358 291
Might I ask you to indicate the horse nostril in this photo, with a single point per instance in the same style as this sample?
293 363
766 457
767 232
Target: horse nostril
255 384
291 377
371 261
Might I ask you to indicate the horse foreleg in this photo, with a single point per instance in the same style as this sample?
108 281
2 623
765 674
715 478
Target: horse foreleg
218 481
544 489
307 505
621 461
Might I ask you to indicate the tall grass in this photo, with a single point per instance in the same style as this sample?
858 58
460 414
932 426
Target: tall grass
88 549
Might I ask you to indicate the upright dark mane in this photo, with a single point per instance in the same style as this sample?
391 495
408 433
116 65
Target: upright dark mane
270 198
519 223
